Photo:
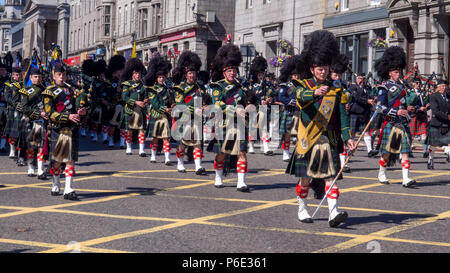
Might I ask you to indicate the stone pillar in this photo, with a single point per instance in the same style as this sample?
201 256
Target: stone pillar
63 28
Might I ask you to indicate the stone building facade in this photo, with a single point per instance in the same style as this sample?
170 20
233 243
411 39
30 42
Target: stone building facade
261 24
10 17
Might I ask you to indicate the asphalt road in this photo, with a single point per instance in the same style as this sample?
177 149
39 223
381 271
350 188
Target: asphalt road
128 204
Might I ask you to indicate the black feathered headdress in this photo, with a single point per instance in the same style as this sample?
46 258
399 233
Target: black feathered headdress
393 58
340 64
88 67
228 56
133 64
117 62
188 61
319 49
158 66
259 64
289 67
100 67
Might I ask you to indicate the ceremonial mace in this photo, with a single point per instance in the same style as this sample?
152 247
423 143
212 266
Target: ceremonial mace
378 110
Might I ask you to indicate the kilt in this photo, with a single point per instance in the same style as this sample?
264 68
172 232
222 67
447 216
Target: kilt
159 128
418 125
436 138
128 119
286 123
358 122
53 139
216 146
192 135
12 124
405 144
40 135
298 165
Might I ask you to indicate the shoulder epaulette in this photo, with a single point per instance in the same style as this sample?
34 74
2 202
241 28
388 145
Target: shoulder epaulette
127 83
48 92
8 84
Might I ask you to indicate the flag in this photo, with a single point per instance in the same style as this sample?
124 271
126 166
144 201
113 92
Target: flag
34 63
133 54
115 50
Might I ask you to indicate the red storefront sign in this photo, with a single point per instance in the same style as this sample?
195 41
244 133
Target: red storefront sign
73 61
178 35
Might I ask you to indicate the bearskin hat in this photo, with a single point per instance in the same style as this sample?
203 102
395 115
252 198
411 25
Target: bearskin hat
289 68
157 66
188 61
319 49
394 57
340 63
259 64
117 62
133 64
88 67
100 67
227 56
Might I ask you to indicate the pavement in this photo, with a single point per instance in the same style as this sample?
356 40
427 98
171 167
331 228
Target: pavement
128 205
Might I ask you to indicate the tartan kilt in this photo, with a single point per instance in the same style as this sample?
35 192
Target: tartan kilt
358 122
436 138
53 139
12 124
298 166
215 145
286 123
418 125
405 144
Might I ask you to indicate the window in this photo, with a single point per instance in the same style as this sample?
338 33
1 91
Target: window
267 1
107 20
374 2
186 46
144 22
344 5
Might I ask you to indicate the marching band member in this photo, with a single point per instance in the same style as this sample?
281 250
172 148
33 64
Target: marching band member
228 94
161 104
64 116
33 127
439 130
186 92
392 97
135 99
290 79
323 121
115 69
12 96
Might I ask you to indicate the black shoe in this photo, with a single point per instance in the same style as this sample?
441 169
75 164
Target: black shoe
426 154
129 153
143 155
269 153
219 186
307 220
243 189
384 182
182 171
71 196
31 175
409 184
340 218
200 171
347 169
55 193
169 163
430 165
42 176
105 141
153 161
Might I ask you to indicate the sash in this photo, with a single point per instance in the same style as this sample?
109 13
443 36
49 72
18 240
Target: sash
308 136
